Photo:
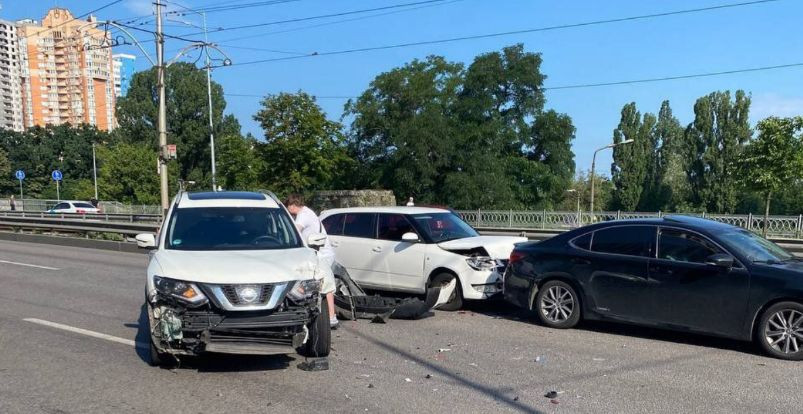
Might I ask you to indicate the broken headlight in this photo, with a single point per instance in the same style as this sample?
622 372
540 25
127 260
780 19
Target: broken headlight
304 289
481 262
178 289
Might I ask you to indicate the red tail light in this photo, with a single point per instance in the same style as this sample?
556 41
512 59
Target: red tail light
515 256
80 211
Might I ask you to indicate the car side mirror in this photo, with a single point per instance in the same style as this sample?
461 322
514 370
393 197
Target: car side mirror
316 241
721 260
146 241
410 237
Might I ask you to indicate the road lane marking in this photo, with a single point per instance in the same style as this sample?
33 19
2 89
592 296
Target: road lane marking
88 333
29 265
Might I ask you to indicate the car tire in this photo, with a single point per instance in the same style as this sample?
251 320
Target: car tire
320 335
456 300
155 358
780 331
557 305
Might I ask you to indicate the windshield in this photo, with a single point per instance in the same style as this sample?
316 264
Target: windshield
441 227
231 228
754 247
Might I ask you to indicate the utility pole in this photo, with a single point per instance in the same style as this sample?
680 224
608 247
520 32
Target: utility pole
95 171
209 95
160 84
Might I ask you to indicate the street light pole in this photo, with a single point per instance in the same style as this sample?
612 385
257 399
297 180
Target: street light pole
95 171
593 165
160 84
209 95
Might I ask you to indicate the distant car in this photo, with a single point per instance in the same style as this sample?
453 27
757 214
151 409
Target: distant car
681 273
74 207
409 249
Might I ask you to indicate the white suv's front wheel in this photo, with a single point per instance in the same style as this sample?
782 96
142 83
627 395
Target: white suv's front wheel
320 335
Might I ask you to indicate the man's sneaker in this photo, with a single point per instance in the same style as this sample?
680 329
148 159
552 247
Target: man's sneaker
333 322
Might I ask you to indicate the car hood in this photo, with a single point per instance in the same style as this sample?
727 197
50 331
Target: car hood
251 266
498 247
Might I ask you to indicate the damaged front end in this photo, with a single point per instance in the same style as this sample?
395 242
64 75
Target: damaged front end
486 272
188 318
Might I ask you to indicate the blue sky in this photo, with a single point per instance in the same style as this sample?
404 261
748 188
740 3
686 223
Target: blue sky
743 37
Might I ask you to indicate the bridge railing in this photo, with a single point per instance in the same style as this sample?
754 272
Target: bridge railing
777 226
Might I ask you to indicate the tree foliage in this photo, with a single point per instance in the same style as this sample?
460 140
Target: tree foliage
632 161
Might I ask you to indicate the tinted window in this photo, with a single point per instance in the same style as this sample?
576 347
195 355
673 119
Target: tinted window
334 224
359 225
231 228
83 205
393 226
629 240
61 206
583 242
683 246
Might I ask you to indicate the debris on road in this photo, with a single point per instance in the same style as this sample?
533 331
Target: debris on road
598 359
428 376
444 349
370 385
554 401
408 380
314 364
551 394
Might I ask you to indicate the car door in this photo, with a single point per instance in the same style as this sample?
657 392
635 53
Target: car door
688 292
61 208
618 268
403 262
356 250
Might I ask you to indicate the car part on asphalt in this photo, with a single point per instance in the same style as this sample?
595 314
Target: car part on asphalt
314 364
454 300
353 303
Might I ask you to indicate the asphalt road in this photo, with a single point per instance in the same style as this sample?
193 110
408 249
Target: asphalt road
494 359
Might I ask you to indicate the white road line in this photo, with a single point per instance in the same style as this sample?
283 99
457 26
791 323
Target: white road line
87 332
29 265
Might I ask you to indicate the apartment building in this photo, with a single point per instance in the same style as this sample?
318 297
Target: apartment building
124 66
69 77
11 111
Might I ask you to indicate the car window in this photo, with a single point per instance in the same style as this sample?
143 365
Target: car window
83 205
582 242
441 227
359 225
393 226
627 240
334 224
684 246
61 206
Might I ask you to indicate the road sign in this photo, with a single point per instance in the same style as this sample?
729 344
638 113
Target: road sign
56 175
20 175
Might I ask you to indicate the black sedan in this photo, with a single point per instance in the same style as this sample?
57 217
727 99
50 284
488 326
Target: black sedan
680 273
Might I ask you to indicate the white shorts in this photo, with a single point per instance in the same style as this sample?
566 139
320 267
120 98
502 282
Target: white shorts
325 265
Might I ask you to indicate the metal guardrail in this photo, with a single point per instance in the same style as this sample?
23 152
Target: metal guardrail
72 225
788 227
131 218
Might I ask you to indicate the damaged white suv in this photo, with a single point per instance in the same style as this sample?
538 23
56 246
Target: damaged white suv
230 273
410 249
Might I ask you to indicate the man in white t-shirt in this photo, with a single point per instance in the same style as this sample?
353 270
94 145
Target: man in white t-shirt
308 223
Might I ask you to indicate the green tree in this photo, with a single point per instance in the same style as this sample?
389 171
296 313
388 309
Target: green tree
717 136
774 159
238 165
187 117
7 183
669 185
128 174
631 161
303 150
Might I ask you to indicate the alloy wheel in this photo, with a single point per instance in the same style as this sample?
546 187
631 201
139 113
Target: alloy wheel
784 331
557 304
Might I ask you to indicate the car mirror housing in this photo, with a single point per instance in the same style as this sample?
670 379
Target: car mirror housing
410 237
722 260
316 241
146 241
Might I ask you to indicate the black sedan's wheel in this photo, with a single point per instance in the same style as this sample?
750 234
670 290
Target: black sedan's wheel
780 331
557 305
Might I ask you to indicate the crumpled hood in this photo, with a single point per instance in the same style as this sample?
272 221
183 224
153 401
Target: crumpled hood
241 266
498 247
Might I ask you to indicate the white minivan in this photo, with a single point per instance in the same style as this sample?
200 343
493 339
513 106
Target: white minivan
409 249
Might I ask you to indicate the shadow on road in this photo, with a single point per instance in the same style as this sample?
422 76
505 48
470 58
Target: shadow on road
496 394
501 309
209 362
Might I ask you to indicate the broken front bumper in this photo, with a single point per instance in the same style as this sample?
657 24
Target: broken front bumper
182 331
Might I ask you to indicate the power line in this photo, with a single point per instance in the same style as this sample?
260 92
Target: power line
323 16
508 33
295 29
613 83
139 29
221 8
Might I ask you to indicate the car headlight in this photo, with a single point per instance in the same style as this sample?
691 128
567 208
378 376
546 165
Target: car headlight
178 289
305 289
481 262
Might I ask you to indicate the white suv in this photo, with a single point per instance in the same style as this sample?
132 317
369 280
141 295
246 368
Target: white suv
231 274
409 249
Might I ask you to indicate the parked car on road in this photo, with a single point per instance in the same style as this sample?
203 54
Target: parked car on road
74 207
410 249
230 274
681 273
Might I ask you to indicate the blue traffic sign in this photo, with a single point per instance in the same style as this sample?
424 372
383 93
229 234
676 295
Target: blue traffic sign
20 175
56 175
